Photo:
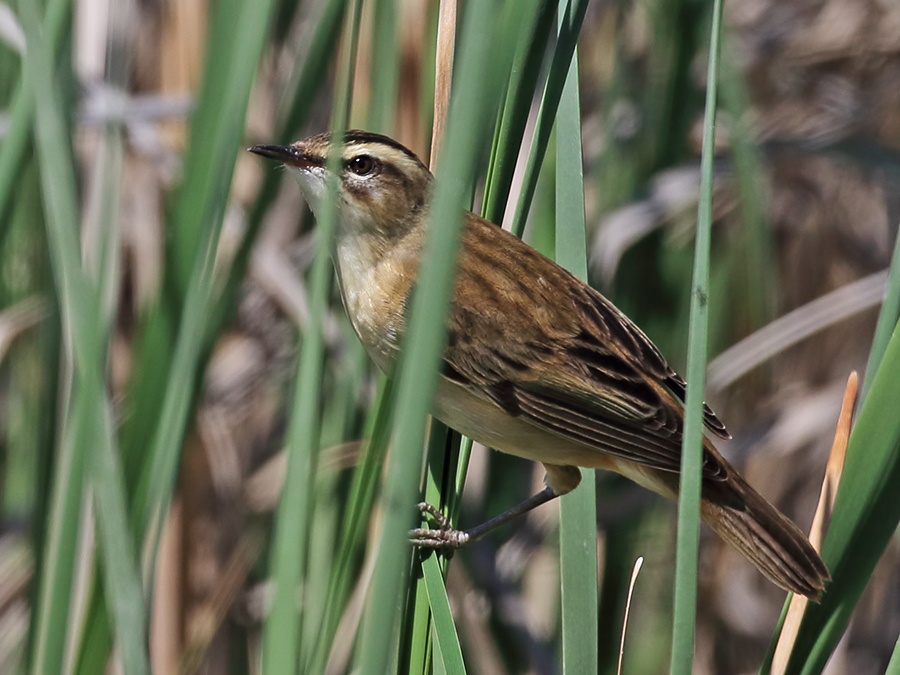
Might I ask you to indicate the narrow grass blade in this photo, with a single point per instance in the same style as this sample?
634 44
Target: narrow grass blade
685 605
237 35
359 509
56 570
756 275
60 205
426 80
514 117
446 641
577 510
296 103
234 78
306 79
442 454
121 576
384 72
416 647
90 426
866 514
281 632
894 664
520 23
462 467
17 136
797 604
226 93
469 112
102 238
573 16
447 452
102 252
887 320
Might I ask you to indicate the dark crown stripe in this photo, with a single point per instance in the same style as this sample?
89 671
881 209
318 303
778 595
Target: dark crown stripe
359 136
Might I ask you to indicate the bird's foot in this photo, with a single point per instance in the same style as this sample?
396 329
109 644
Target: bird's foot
444 537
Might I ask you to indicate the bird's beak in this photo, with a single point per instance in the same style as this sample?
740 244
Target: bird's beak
287 154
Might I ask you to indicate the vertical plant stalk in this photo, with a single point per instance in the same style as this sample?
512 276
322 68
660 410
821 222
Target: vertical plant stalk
887 320
866 514
356 517
893 667
170 375
685 606
418 651
755 274
424 343
577 510
427 640
158 479
798 603
535 33
294 107
293 519
102 239
528 27
559 67
384 71
447 650
17 137
443 75
88 434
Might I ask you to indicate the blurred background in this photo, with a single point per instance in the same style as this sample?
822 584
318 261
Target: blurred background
807 205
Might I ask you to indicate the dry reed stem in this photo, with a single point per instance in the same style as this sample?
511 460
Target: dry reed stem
443 73
631 584
820 521
181 55
168 599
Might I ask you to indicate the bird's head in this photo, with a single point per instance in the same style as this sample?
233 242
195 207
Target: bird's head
383 188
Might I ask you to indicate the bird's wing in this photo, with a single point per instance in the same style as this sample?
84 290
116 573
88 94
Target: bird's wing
546 347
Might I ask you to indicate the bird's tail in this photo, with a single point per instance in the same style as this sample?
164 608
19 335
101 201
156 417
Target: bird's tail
766 538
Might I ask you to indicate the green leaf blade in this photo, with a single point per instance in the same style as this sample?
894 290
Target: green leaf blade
469 112
685 603
577 510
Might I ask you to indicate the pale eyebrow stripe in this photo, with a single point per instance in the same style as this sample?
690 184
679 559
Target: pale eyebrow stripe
363 137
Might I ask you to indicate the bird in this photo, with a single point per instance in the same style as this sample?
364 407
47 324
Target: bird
537 363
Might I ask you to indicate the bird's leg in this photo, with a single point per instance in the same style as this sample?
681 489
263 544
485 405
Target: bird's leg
447 537
560 480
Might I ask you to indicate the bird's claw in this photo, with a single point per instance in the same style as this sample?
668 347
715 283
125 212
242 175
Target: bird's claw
444 537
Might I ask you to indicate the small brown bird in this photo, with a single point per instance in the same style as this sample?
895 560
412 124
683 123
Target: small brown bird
538 364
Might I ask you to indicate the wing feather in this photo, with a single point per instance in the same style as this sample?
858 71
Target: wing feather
544 346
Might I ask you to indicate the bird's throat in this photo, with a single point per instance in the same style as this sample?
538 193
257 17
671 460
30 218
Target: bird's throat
375 281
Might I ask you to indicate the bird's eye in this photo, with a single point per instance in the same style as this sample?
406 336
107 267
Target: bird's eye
363 165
